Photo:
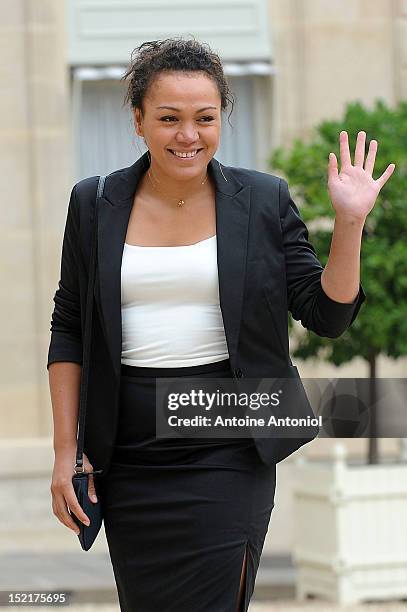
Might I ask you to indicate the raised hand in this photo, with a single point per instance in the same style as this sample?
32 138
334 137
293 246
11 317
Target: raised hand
353 192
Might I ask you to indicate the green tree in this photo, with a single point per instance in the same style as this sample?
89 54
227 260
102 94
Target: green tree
381 326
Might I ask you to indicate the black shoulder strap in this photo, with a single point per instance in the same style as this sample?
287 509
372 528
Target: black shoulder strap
87 335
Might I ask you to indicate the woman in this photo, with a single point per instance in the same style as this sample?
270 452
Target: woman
197 268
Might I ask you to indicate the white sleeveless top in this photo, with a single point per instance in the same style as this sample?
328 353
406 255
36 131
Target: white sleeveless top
171 315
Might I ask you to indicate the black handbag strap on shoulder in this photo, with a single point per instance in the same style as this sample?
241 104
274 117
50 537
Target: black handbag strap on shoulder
79 467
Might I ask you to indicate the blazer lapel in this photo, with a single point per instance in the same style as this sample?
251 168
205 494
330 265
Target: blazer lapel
232 221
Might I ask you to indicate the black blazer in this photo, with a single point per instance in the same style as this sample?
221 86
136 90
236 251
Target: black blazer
266 268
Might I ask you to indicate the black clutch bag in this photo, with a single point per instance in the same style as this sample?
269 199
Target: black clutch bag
80 480
87 534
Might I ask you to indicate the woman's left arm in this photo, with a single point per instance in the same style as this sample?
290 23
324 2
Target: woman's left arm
353 194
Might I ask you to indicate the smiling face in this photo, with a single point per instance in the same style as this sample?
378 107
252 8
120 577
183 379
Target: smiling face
193 123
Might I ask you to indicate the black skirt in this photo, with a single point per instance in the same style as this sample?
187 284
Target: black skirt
179 514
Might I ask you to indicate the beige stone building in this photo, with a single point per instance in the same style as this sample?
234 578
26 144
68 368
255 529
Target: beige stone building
293 62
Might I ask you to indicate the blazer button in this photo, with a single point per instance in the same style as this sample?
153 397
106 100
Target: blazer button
238 373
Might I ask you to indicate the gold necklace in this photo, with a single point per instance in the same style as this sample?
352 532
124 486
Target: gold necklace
180 202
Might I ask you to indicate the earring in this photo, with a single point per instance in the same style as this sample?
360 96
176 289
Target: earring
220 168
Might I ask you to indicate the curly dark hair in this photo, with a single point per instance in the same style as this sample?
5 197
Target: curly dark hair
172 54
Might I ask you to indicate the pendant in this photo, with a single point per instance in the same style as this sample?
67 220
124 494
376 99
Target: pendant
181 203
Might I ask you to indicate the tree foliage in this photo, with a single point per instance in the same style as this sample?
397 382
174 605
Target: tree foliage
381 326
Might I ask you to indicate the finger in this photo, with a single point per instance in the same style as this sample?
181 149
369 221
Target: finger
382 180
91 489
371 157
91 483
74 506
60 510
360 149
332 167
344 149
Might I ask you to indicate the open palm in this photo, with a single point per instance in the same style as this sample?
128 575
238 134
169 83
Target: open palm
354 191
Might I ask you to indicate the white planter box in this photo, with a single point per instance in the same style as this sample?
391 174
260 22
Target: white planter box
350 530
